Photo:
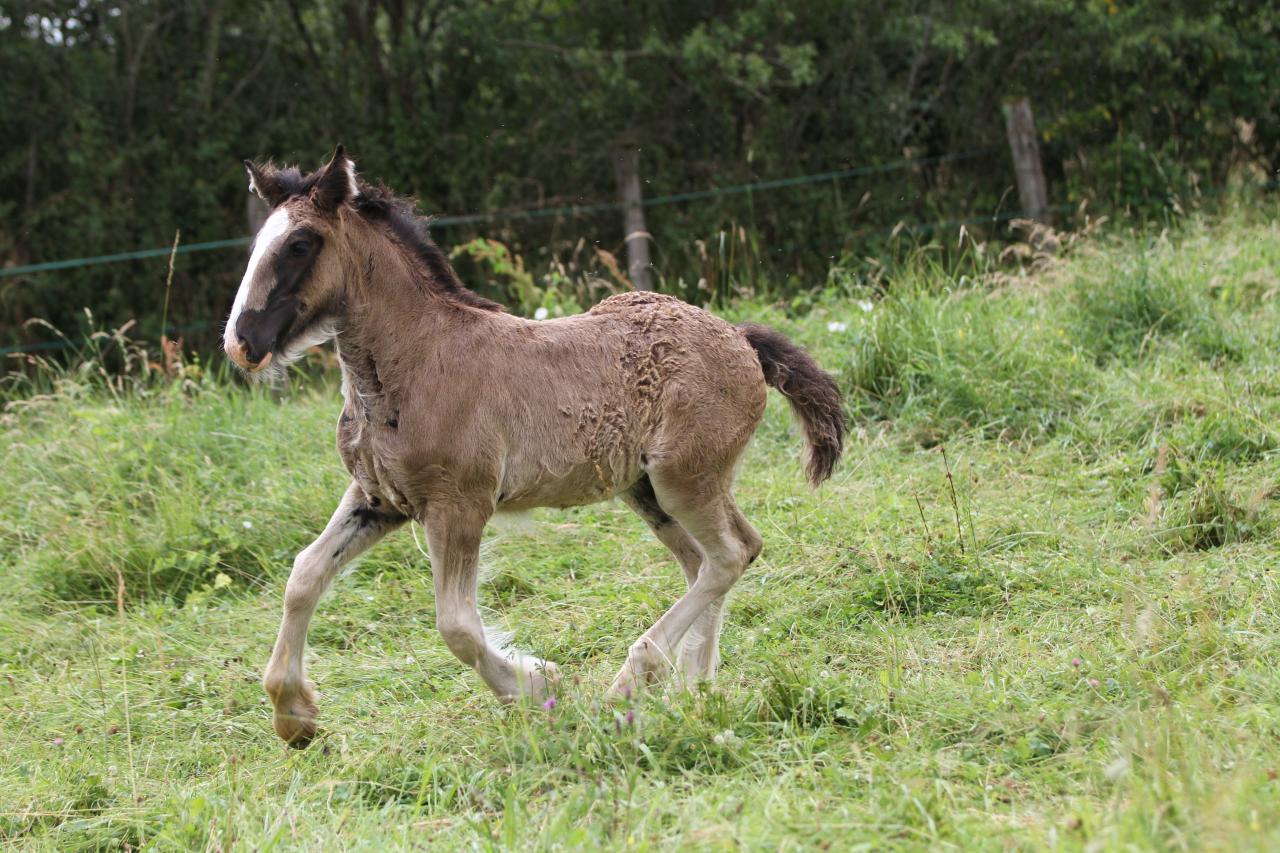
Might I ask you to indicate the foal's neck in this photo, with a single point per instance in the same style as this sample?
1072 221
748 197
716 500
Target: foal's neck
397 323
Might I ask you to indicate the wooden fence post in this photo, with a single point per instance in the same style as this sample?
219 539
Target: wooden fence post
1025 147
626 167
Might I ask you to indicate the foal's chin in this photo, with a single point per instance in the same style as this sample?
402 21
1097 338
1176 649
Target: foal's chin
291 352
277 364
270 373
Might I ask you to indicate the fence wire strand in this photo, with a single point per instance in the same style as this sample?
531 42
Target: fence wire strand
583 209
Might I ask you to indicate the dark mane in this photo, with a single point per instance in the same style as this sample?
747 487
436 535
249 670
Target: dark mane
292 182
377 203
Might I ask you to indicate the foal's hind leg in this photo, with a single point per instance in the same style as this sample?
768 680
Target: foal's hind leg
354 527
707 512
453 538
700 651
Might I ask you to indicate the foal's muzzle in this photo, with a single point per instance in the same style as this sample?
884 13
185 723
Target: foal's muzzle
239 353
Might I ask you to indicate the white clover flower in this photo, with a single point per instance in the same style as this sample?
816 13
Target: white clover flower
540 314
866 305
248 525
837 326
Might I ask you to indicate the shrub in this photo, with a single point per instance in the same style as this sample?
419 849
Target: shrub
1122 311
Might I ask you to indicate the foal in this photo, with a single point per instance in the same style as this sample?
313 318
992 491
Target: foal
454 410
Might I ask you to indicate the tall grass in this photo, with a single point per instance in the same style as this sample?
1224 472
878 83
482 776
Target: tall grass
1061 633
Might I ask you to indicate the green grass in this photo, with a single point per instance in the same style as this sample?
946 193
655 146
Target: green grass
1073 641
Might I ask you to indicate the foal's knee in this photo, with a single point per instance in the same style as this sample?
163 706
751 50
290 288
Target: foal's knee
749 545
302 590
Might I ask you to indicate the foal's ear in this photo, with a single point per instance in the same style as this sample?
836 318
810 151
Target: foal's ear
266 184
337 183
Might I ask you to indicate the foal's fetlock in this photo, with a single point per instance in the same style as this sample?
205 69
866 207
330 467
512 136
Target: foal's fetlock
294 715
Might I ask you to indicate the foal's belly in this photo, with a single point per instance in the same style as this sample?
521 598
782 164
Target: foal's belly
526 486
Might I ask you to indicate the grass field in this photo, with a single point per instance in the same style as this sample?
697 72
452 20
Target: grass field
1037 607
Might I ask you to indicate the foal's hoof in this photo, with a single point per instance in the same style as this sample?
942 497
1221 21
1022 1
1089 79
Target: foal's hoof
295 721
538 678
297 732
622 689
642 669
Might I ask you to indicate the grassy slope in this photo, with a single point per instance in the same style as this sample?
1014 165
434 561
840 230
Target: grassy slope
1099 663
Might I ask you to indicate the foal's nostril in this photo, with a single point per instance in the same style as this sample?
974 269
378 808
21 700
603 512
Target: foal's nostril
246 356
252 354
242 354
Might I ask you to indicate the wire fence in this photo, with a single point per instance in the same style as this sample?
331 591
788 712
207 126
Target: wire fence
914 228
577 210
571 210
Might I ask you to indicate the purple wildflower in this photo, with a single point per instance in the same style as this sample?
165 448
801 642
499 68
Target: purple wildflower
550 704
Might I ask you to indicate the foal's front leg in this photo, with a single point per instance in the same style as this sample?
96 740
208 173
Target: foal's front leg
453 539
354 527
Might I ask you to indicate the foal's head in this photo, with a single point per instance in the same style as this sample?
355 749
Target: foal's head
291 293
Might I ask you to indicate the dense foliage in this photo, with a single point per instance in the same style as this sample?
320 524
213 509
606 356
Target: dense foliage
124 120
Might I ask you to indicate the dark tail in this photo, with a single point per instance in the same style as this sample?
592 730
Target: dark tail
812 392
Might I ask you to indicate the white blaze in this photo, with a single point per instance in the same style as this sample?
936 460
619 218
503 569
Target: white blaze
276 226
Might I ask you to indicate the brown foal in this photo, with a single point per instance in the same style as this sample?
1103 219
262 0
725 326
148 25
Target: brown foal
455 409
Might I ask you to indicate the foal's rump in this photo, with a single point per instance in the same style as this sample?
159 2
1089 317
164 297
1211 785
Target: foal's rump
705 381
698 384
691 381
642 381
646 382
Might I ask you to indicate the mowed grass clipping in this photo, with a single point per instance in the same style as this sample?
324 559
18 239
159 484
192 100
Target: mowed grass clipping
1037 606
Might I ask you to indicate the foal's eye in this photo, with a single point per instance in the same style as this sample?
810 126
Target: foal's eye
299 247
